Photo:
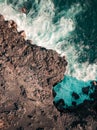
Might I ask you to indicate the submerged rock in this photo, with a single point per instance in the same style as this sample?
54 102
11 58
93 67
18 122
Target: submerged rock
86 90
75 94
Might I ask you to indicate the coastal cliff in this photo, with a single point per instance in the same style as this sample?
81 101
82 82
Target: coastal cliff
27 75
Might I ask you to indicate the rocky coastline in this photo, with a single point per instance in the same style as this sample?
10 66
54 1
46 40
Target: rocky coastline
27 75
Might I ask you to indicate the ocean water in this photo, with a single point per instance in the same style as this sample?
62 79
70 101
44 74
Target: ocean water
67 26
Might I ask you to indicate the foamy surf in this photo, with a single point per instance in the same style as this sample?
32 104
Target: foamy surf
57 36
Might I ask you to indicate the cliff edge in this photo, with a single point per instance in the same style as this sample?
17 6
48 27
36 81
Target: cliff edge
27 75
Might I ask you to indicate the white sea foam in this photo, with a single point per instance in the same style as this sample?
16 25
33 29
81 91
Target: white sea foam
43 32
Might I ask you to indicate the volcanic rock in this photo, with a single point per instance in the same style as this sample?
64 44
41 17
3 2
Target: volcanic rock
85 90
75 95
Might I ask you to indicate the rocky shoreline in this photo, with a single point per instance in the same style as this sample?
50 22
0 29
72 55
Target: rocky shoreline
27 75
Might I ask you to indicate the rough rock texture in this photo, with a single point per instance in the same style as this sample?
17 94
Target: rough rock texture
27 74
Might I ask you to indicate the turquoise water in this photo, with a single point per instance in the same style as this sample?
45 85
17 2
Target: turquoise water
71 92
67 26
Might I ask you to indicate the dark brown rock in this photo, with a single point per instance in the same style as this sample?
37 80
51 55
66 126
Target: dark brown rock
85 90
75 95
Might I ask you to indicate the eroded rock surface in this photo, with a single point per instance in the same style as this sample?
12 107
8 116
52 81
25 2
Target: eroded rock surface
27 75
